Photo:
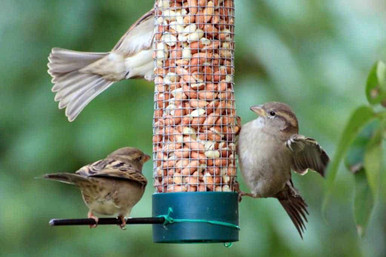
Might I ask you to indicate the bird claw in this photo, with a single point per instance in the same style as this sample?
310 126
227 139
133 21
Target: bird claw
242 194
123 222
96 219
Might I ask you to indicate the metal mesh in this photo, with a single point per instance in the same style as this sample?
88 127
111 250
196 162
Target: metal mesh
194 124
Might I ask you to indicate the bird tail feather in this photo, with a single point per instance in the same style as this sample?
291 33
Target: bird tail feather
75 88
68 178
295 206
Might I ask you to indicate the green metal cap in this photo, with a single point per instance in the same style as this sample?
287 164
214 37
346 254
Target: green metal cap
196 217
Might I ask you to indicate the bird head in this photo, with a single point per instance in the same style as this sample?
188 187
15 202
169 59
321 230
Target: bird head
277 118
131 155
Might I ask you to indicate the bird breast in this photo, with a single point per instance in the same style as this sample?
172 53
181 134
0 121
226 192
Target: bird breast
264 160
110 196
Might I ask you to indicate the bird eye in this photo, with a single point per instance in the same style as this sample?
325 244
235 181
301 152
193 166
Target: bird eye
272 113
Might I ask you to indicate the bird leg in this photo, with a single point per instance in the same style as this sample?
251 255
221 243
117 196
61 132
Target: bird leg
91 216
242 194
123 222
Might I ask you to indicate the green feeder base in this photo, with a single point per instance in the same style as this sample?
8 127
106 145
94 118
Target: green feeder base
196 217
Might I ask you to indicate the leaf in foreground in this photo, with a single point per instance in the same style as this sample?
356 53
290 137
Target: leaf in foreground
373 159
363 202
358 120
376 84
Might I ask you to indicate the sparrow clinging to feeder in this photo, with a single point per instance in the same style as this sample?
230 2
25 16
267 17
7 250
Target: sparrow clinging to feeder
79 77
111 186
268 148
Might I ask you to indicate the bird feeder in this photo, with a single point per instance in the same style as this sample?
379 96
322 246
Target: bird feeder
194 125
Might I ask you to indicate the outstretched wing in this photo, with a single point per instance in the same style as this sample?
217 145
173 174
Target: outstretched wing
115 169
139 36
307 154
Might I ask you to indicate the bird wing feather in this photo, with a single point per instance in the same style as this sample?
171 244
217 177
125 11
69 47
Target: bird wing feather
114 169
139 36
307 154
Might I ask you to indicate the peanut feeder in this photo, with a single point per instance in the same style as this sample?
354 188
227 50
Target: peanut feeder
195 124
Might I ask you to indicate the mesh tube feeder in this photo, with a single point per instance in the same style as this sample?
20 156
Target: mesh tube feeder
194 125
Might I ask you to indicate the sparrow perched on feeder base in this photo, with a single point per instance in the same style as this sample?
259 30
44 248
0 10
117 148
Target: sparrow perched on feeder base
111 186
268 148
79 77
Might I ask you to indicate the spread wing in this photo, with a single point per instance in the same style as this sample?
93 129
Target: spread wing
115 169
139 36
307 154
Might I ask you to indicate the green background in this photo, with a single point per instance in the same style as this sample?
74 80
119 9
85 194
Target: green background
314 55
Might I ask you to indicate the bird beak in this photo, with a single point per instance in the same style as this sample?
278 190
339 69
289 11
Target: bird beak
147 157
259 110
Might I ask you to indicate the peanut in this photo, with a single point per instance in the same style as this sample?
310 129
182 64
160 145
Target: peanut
195 123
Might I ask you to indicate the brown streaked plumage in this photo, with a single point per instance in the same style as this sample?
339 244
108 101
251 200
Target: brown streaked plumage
79 77
268 148
111 186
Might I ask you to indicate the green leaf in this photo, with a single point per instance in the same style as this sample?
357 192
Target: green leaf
376 84
381 74
373 158
363 202
358 120
354 160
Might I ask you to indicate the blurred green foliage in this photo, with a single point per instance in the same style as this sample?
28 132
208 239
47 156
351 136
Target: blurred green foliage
314 55
361 144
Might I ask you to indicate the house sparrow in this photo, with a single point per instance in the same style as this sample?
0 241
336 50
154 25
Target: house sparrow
111 186
79 77
268 148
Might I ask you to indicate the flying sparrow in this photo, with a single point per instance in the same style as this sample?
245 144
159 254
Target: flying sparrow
268 148
79 77
111 186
